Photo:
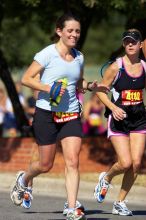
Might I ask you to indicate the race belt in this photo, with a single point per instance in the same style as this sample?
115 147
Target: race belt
60 117
132 97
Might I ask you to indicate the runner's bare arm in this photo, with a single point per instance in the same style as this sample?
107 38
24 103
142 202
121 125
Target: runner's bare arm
107 80
144 48
83 85
30 80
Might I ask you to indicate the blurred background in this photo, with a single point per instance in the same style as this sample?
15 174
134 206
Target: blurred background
26 26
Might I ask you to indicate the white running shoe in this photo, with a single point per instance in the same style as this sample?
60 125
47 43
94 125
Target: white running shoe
101 188
78 206
27 198
17 191
120 208
76 214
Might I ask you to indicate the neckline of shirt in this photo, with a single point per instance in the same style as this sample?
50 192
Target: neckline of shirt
58 54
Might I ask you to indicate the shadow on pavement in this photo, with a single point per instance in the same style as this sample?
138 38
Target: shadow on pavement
139 212
97 218
92 212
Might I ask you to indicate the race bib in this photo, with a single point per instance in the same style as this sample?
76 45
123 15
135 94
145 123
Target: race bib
60 117
132 97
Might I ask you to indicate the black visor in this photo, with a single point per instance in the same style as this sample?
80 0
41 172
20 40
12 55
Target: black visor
132 34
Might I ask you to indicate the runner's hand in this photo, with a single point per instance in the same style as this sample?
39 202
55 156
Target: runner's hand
118 113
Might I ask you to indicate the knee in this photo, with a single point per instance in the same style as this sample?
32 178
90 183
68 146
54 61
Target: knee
125 165
72 163
44 168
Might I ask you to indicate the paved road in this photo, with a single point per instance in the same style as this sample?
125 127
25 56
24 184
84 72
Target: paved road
47 205
50 208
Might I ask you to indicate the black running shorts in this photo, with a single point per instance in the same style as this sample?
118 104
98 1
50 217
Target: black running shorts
135 122
46 131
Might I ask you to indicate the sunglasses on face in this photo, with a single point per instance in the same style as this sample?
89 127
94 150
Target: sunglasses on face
131 42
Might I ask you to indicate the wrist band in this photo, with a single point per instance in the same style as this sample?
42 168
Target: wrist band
88 86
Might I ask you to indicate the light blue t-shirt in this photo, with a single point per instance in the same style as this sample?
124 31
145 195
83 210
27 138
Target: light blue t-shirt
55 68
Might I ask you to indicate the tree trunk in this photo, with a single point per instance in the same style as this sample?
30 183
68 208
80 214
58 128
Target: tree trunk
5 76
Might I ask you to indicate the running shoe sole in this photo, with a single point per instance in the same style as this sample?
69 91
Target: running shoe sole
14 188
99 196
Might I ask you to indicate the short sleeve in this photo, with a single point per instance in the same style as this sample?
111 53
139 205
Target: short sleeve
81 60
80 57
42 57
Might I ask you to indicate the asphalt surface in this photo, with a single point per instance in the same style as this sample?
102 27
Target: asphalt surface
56 187
49 197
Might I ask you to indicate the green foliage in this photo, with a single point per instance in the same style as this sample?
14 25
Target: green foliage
115 4
27 25
103 39
19 43
33 3
90 3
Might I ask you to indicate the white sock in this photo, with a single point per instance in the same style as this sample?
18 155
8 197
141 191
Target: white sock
71 209
29 188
